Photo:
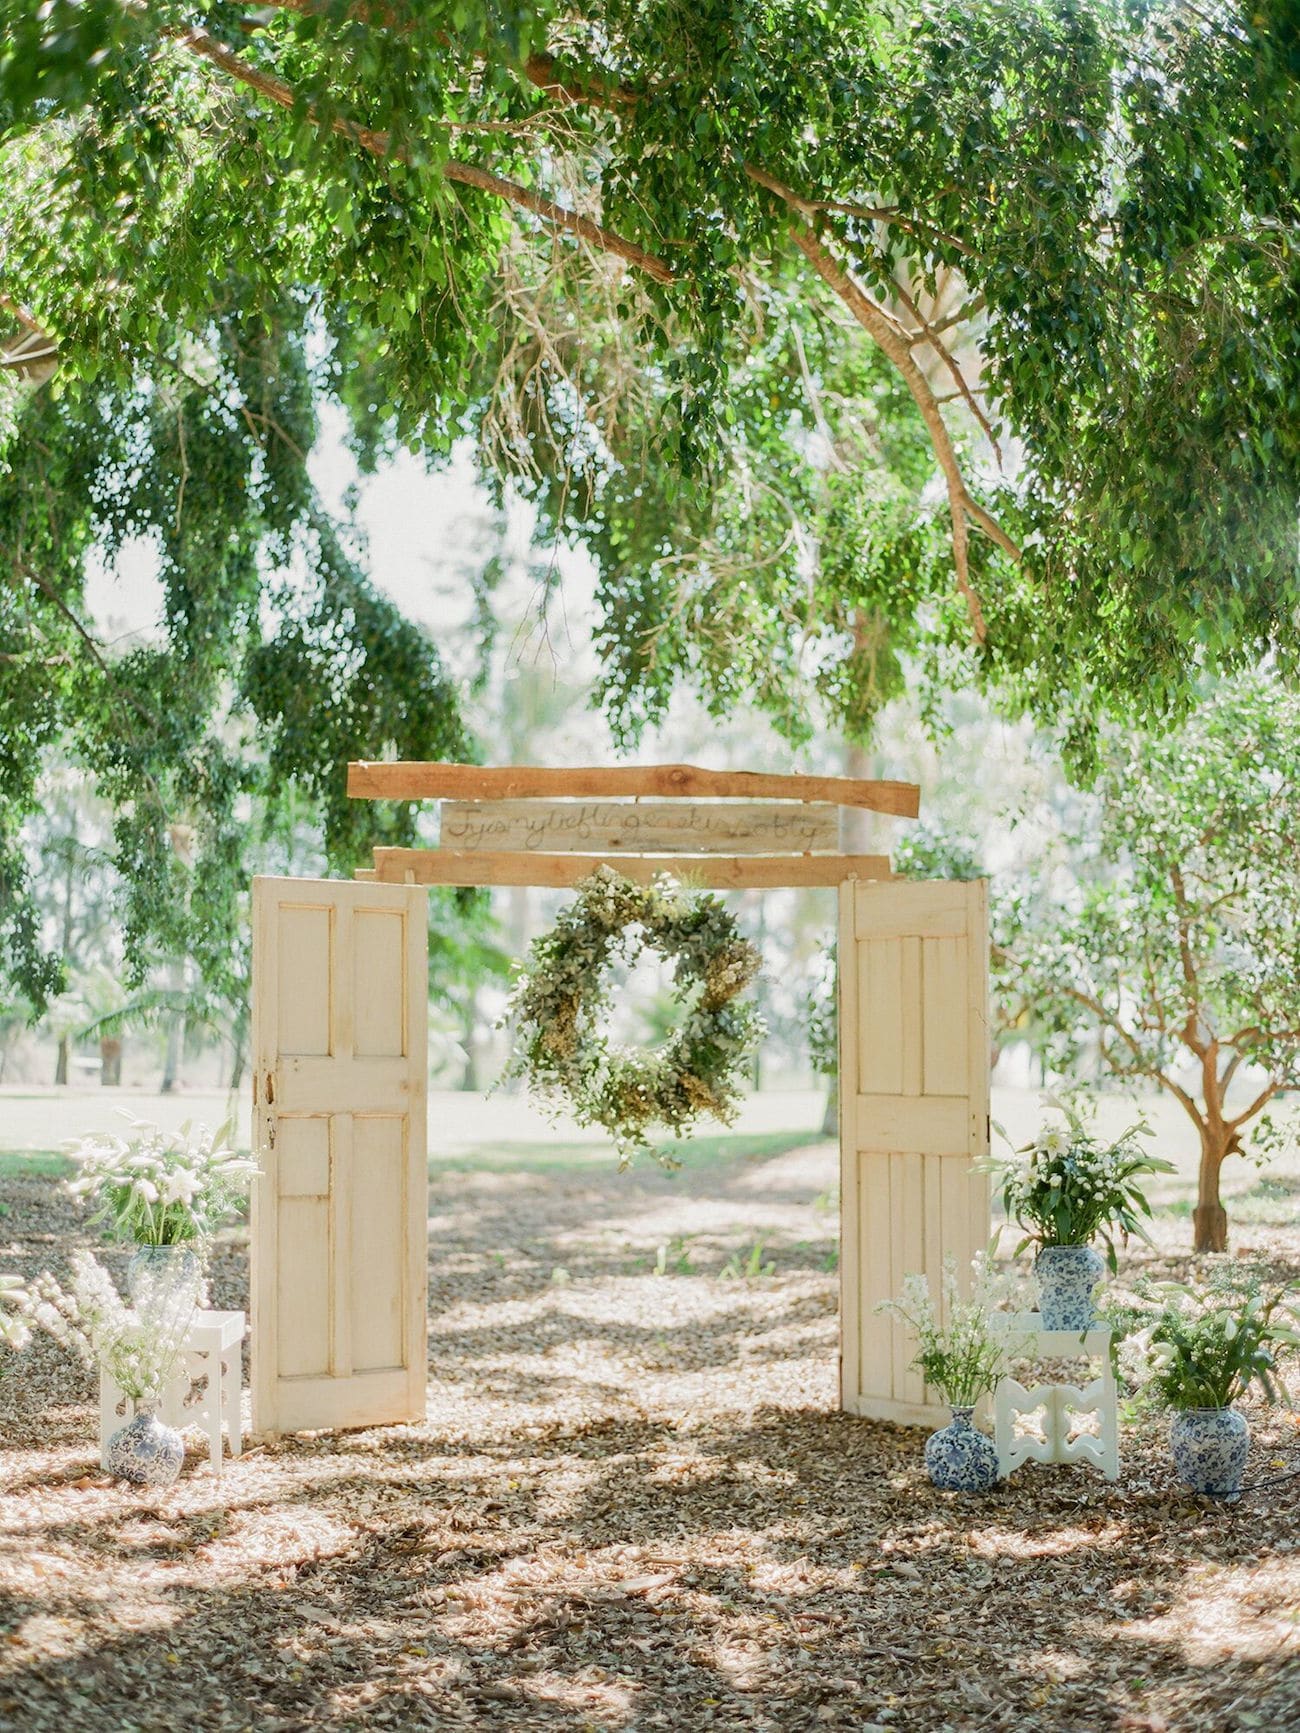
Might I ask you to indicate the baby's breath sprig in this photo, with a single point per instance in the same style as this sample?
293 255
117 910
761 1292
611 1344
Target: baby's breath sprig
958 1353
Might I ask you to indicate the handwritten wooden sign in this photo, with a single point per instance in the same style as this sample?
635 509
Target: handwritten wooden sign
639 827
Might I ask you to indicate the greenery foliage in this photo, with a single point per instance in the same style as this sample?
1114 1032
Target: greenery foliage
561 1010
1204 1348
1073 1189
958 1352
839 331
216 740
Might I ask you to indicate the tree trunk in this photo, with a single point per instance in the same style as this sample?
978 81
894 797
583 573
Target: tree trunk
61 1063
831 1116
469 1033
1209 1218
172 1054
110 1060
239 1047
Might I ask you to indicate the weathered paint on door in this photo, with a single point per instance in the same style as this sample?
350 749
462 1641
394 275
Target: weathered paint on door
339 1219
914 1118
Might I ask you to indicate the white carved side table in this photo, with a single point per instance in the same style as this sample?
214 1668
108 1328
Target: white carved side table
1059 1402
210 1356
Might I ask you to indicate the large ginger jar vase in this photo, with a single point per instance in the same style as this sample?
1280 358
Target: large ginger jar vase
1209 1447
961 1458
145 1451
1066 1278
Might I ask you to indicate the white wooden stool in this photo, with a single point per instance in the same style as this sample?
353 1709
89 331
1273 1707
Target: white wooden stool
1058 1401
210 1352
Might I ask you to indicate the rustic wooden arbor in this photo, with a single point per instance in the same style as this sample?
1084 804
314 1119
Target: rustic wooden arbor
340 987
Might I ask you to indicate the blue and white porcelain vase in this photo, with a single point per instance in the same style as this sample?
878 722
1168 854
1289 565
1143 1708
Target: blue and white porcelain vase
960 1458
146 1452
1066 1278
166 1283
1209 1447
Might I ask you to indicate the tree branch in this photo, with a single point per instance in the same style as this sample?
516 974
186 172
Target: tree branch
541 69
950 362
380 144
1142 1064
1190 1033
1261 1100
807 207
885 333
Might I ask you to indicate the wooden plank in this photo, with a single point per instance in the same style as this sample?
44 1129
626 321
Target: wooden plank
917 909
875 1272
640 827
372 780
711 872
924 1124
927 1414
907 1254
979 1186
850 1222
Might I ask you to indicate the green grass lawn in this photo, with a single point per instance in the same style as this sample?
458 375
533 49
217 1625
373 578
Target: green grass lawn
557 1155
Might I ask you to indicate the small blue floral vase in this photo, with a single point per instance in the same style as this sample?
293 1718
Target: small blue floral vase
960 1458
1066 1278
165 1283
146 1452
1209 1447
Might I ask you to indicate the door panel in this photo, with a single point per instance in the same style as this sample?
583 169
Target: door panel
914 1117
339 1221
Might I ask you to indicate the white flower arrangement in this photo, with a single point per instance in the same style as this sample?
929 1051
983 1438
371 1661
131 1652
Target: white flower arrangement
157 1188
1203 1347
1071 1188
957 1352
91 1320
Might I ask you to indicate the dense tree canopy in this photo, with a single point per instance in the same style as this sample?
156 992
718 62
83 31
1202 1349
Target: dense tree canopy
581 231
840 332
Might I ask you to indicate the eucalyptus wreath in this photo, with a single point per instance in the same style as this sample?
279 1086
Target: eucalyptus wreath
561 1004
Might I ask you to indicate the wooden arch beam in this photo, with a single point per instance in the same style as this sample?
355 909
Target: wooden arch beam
372 780
435 866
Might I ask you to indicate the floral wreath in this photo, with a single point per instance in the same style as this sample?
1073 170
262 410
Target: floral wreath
560 1006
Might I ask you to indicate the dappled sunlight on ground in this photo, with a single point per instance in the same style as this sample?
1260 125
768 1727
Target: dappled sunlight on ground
632 1505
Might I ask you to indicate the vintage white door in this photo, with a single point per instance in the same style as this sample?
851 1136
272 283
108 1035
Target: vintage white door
914 1117
339 1240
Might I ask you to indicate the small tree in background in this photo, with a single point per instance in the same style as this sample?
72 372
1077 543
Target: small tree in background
1178 941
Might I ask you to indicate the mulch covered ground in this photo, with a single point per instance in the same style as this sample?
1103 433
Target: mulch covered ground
633 1504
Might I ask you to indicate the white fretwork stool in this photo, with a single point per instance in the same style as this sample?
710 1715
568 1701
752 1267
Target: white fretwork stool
1060 1403
210 1360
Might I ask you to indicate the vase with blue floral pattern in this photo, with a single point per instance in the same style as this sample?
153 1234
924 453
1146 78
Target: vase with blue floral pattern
1209 1448
146 1452
1067 1276
166 1284
961 1458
